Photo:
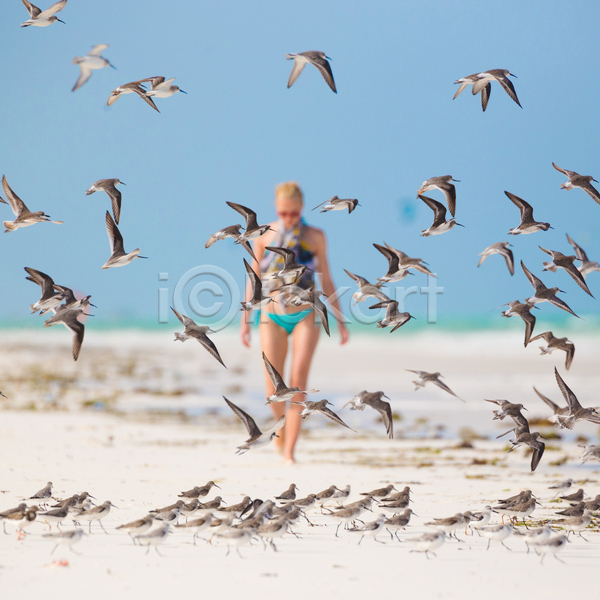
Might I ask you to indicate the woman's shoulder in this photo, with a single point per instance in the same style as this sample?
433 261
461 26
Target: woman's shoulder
315 232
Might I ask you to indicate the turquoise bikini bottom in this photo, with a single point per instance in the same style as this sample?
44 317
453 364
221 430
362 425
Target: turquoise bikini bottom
287 321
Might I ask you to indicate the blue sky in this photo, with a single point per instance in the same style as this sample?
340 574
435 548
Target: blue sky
240 131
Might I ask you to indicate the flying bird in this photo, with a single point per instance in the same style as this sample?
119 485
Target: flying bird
51 295
445 185
198 332
316 58
133 87
425 377
321 407
70 319
394 272
109 186
93 60
39 18
560 261
587 266
503 249
576 411
253 229
233 231
579 181
557 411
161 88
25 217
523 310
257 437
282 391
336 203
118 257
470 80
527 224
393 317
543 293
375 401
481 83
440 224
554 343
256 300
366 289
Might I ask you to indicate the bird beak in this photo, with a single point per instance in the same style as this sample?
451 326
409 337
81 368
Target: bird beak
60 21
595 180
93 305
327 57
123 183
219 488
112 66
458 224
182 91
513 75
550 227
142 256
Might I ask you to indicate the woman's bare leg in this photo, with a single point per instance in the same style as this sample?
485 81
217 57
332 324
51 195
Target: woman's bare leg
304 341
274 343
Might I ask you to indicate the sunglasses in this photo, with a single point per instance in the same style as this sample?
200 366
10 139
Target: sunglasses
293 214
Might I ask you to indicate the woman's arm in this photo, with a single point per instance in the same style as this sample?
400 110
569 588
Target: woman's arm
326 281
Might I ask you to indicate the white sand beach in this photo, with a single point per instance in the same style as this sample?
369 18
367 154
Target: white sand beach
139 419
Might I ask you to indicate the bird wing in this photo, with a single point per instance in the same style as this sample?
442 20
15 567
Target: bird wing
524 207
78 330
561 304
449 190
17 205
84 74
538 451
547 335
275 377
325 70
321 310
509 258
591 191
509 88
114 235
385 410
53 9
32 9
246 419
570 355
331 415
296 70
325 201
579 251
115 198
574 272
439 210
210 346
569 396
289 256
529 325
392 257
185 321
248 247
361 281
255 282
444 387
44 281
97 49
142 94
569 174
485 95
247 213
533 280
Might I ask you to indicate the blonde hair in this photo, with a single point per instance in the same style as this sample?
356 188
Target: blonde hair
289 189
